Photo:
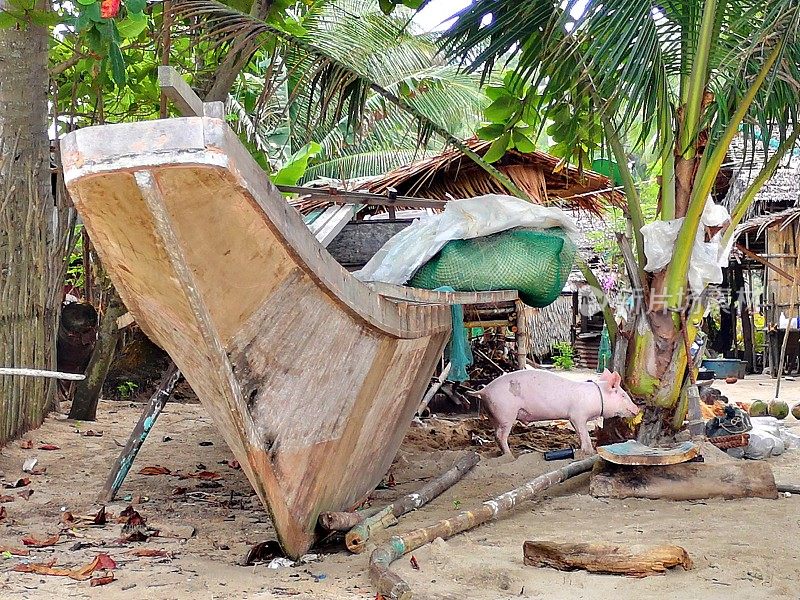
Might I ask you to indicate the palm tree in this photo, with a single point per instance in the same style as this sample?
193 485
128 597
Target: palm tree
365 86
694 74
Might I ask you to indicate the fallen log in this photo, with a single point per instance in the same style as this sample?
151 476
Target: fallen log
393 587
633 561
357 537
687 481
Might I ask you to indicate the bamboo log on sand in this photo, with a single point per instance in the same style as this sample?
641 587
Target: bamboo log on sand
357 537
392 587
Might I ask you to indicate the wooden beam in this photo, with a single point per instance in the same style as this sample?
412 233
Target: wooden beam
423 296
752 255
342 197
183 97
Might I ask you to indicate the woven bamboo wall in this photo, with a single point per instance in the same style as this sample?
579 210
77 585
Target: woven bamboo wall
550 325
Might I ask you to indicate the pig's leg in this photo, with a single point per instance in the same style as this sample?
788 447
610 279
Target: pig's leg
501 432
583 433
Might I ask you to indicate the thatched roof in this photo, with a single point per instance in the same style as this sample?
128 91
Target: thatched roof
759 224
452 175
781 192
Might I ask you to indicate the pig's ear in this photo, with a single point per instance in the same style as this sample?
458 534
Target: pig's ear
615 379
606 375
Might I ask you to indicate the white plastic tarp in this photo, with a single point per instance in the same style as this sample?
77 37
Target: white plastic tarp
464 219
708 258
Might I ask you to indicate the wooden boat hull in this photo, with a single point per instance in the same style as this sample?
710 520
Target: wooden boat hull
311 377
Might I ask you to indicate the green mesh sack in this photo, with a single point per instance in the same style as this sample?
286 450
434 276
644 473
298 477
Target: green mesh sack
534 262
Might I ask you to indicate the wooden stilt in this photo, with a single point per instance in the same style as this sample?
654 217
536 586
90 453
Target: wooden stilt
523 336
139 434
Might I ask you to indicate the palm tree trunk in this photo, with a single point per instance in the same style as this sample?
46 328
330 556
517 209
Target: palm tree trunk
31 224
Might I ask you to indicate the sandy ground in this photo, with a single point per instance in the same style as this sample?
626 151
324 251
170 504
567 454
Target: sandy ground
741 549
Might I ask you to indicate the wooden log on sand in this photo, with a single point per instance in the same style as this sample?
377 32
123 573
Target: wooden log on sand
357 537
687 481
392 587
633 561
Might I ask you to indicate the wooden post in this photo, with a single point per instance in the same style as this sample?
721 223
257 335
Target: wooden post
522 335
139 434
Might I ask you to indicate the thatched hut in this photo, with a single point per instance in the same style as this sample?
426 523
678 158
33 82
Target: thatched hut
764 259
573 317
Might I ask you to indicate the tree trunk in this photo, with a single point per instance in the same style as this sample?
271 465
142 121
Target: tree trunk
32 230
87 393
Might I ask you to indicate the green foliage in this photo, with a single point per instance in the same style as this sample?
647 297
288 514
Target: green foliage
126 389
514 120
563 356
76 274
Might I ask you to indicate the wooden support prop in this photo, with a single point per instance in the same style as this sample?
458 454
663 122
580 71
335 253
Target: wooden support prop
345 521
437 383
139 434
633 561
687 481
759 259
183 97
393 587
356 538
41 373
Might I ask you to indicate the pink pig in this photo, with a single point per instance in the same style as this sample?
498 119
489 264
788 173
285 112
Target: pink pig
538 395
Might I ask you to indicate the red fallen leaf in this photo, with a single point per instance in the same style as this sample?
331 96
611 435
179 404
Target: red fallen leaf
206 475
391 482
105 562
3 513
38 471
81 574
150 552
26 444
234 464
15 551
414 563
5 498
21 482
100 518
102 580
25 494
92 433
67 518
179 491
37 543
49 447
109 8
157 470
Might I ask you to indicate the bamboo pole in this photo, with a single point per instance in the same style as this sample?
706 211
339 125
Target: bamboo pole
42 373
392 587
356 538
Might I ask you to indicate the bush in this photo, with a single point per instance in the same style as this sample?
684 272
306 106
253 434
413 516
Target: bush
563 356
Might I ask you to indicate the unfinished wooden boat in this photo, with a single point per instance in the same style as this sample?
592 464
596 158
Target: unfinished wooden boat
311 376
